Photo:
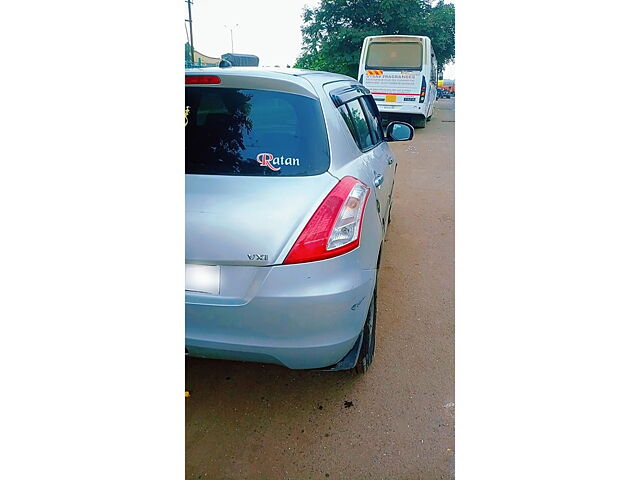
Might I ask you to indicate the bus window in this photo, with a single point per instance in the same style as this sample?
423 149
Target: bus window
405 55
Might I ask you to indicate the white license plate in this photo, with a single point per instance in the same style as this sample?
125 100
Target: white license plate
202 278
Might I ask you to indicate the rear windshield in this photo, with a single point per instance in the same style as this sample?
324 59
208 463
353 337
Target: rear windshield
407 55
253 132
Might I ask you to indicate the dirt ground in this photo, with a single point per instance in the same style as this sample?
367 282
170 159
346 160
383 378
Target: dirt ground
254 421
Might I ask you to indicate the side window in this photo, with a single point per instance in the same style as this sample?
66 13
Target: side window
347 119
373 116
361 127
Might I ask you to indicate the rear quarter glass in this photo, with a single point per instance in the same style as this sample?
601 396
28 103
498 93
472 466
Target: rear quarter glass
253 133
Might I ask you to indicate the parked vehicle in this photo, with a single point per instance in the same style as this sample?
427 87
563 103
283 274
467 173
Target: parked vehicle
241 59
401 73
443 93
289 181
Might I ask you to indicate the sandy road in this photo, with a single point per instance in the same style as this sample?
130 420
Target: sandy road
253 421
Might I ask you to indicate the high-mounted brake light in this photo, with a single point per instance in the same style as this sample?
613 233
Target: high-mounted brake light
335 226
202 79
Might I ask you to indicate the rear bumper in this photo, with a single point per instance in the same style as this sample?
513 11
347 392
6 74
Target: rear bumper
409 108
301 316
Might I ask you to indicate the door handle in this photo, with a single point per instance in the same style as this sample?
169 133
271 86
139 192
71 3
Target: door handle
378 180
390 160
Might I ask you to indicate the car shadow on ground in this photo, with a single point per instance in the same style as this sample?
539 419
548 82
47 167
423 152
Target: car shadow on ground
229 386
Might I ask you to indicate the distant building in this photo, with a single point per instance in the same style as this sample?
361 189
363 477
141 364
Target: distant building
200 60
241 59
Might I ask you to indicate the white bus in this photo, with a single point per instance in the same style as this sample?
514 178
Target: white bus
400 71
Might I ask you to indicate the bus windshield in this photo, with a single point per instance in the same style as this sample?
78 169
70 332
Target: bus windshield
405 55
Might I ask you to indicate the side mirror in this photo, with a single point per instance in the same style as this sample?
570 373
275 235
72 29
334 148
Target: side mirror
399 132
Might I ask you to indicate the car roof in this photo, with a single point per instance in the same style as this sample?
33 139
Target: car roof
292 80
397 36
270 75
263 71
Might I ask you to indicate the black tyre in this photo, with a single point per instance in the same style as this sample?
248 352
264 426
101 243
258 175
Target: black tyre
418 121
368 338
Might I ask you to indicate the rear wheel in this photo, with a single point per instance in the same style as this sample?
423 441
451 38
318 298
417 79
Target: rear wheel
368 338
419 121
431 115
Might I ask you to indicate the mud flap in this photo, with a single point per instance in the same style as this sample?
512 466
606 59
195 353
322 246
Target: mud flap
349 360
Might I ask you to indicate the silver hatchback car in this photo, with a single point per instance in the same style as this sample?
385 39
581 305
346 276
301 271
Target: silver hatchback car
289 183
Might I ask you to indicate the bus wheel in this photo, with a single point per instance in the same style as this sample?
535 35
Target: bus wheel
419 121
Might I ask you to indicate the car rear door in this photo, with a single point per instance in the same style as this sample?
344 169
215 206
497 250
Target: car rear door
256 163
363 120
383 158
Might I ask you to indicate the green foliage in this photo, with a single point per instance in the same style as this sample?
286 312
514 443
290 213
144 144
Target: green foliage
332 34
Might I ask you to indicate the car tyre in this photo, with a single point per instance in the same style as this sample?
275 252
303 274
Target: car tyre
365 358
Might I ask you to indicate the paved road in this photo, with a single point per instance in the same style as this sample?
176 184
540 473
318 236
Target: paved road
253 421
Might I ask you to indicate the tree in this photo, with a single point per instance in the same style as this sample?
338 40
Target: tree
332 33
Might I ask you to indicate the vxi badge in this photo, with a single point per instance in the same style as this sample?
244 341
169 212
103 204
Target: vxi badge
255 256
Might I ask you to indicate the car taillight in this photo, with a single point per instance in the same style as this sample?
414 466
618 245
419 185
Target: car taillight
423 89
201 79
335 226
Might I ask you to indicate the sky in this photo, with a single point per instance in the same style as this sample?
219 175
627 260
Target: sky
270 30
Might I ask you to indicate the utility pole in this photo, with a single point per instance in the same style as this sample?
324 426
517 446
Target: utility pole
231 30
190 31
